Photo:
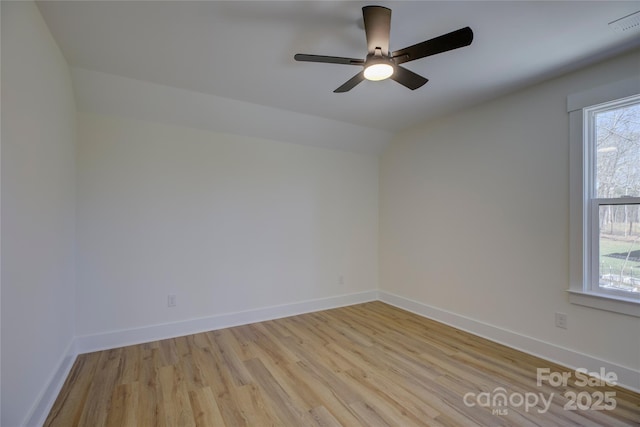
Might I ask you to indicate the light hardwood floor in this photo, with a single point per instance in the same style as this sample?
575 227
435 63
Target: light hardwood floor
368 364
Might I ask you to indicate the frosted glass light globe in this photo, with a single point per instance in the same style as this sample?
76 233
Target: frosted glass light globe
378 71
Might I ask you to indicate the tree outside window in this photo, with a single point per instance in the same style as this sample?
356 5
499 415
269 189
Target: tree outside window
616 131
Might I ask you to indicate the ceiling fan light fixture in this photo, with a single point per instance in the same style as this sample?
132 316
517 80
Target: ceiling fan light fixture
382 63
378 71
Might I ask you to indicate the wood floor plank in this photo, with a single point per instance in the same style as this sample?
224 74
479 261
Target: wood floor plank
104 381
205 408
124 406
288 411
175 402
370 416
149 393
364 365
72 398
232 360
256 406
324 418
221 385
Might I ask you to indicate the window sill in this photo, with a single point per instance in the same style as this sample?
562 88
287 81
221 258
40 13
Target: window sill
628 306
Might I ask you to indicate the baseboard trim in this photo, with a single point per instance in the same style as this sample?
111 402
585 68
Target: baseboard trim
108 340
627 378
43 404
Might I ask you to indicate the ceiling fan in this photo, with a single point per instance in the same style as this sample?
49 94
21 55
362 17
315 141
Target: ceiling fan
380 63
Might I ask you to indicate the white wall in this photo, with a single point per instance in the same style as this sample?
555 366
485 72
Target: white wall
103 93
228 223
474 218
38 210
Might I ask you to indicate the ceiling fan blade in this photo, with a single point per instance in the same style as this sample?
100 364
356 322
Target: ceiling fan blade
377 26
408 78
328 59
453 40
351 83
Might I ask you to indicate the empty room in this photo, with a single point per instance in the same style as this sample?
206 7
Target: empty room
320 213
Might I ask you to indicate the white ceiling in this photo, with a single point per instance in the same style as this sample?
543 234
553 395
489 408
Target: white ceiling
244 50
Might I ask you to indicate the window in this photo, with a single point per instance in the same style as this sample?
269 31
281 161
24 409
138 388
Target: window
605 197
613 166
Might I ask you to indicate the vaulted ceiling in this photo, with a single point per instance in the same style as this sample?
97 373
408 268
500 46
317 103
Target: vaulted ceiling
244 50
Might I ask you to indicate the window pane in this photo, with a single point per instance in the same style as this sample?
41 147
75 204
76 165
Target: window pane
617 134
619 246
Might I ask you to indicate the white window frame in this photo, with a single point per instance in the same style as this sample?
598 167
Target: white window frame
583 206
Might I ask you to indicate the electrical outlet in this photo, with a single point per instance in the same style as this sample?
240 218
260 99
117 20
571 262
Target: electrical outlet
561 320
171 300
